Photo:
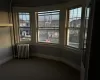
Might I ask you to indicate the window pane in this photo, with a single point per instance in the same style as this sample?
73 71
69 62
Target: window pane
48 19
55 17
75 17
55 21
48 26
73 38
48 36
75 12
74 27
41 24
24 27
25 34
75 23
24 17
79 12
40 18
71 13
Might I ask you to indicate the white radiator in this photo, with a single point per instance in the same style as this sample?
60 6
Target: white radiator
23 50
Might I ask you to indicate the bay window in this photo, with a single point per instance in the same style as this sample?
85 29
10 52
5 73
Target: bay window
49 26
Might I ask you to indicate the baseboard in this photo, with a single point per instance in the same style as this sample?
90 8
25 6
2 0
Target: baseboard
58 59
6 59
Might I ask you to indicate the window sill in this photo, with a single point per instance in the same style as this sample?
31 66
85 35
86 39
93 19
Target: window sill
72 49
48 44
24 42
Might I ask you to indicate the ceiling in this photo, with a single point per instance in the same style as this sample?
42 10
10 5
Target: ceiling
5 4
33 3
36 2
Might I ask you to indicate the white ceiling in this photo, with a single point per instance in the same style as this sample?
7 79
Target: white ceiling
37 2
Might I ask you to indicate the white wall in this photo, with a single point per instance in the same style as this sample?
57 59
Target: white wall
5 39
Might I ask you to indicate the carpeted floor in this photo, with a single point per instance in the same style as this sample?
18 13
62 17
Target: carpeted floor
37 69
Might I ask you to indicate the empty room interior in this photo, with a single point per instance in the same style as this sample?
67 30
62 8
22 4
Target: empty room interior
45 39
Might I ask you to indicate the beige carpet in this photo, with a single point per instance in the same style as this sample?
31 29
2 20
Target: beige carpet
37 69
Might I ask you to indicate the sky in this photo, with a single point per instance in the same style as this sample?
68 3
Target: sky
75 12
24 17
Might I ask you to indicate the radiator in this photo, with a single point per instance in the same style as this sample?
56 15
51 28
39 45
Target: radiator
23 50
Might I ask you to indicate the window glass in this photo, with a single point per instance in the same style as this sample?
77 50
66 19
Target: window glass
24 27
74 27
48 26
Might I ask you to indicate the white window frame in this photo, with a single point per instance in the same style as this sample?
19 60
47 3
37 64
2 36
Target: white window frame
26 41
17 10
81 32
37 28
67 23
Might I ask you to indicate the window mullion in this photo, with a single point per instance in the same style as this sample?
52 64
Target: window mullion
81 37
66 26
62 26
37 26
18 32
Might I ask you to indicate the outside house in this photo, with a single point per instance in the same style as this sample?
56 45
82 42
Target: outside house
73 33
24 30
51 34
